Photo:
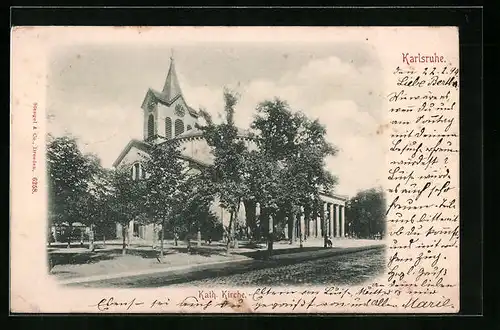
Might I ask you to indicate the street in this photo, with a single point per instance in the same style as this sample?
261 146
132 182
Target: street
346 269
349 269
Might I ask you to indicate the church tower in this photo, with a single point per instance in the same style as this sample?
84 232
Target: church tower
166 113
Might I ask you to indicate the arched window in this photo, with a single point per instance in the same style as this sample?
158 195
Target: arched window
179 127
188 128
151 126
168 128
137 171
132 172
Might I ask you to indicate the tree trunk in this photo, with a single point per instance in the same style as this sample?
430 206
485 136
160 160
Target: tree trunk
104 240
270 236
188 243
369 228
325 231
250 215
161 238
235 234
91 238
301 234
198 237
128 234
154 237
70 232
309 215
229 234
293 228
307 218
124 243
235 218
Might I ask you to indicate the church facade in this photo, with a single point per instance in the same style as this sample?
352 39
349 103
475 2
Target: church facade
167 116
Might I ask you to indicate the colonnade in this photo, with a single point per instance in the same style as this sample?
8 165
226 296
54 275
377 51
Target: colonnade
326 219
329 220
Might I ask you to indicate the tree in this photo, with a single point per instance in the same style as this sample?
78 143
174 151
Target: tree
228 168
309 165
71 174
263 182
125 200
298 147
166 175
192 214
276 132
367 213
99 205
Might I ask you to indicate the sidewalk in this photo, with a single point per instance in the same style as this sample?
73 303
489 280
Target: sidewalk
178 265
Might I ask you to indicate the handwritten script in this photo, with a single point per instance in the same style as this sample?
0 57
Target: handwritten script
269 299
423 188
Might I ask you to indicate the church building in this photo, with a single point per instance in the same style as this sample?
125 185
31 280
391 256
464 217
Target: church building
166 116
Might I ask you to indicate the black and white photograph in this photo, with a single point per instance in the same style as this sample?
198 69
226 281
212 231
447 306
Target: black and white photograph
242 165
218 164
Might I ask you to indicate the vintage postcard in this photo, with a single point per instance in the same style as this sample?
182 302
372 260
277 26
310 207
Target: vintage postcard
235 170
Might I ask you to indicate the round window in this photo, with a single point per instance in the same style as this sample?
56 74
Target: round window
179 110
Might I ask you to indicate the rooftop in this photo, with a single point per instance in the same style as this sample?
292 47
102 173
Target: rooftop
171 90
196 132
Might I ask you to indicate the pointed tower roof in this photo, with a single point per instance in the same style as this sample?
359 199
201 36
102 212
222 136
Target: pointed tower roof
170 93
171 89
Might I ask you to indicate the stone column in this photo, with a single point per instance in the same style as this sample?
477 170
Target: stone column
271 234
296 228
342 221
301 224
130 231
337 223
154 235
324 226
119 231
330 220
318 227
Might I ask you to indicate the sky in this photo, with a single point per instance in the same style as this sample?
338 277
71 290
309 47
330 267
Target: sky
95 92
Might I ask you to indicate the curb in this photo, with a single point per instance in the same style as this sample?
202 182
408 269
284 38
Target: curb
139 273
184 273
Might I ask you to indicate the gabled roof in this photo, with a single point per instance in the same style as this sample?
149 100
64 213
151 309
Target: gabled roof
144 146
164 98
141 145
344 198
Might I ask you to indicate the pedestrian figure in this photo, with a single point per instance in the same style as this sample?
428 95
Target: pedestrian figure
329 242
176 238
